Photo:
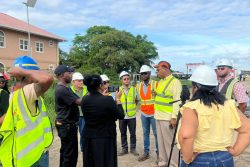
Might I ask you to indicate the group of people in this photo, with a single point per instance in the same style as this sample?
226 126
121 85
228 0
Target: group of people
204 134
209 108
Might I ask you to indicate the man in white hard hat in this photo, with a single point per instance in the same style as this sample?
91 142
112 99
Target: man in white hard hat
230 86
129 102
232 89
145 91
81 90
168 90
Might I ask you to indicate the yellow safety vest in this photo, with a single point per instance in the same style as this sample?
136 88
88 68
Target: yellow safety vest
128 101
164 96
84 90
230 88
24 137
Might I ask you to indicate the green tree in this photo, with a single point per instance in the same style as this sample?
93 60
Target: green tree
63 57
107 50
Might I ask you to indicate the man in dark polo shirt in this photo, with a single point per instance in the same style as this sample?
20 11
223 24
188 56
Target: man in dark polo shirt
66 102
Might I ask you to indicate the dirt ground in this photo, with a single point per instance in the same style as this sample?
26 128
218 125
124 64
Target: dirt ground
131 161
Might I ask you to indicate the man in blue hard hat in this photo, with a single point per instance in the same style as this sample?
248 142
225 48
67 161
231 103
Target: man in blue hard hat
26 130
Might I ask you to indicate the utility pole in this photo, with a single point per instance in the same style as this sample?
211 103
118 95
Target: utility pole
29 3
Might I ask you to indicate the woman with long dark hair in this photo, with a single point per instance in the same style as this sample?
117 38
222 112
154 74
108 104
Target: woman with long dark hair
208 124
4 97
100 113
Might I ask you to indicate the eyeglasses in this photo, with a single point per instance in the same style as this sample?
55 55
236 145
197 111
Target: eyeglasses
124 79
220 68
144 73
105 82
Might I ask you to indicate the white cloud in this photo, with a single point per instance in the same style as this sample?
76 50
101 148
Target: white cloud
203 30
239 54
187 16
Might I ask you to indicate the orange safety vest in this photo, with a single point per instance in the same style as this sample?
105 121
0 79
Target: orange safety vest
146 100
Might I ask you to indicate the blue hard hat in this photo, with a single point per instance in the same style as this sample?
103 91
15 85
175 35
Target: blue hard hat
26 63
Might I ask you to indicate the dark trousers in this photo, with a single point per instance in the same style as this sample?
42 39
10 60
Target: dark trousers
69 144
131 124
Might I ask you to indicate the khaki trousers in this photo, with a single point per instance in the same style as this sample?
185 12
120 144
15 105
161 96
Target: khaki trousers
165 137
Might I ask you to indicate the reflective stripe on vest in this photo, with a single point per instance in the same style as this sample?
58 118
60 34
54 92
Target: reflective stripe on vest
28 135
84 90
146 100
128 101
230 88
164 96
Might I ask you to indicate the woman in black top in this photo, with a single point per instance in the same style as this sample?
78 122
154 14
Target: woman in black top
100 113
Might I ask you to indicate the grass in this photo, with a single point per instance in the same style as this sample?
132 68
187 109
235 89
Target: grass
49 100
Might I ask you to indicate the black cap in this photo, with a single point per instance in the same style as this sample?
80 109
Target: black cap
62 69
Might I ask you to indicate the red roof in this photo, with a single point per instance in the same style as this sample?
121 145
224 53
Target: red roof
10 22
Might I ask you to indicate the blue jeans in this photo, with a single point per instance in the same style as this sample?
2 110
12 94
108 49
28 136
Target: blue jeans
81 127
212 159
43 161
146 121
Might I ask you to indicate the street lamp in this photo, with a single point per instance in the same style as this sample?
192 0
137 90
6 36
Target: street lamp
29 3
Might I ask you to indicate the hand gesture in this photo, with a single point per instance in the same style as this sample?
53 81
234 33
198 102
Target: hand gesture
105 92
17 72
232 151
173 122
118 94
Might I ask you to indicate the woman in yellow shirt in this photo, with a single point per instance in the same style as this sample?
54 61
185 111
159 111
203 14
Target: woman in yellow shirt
208 123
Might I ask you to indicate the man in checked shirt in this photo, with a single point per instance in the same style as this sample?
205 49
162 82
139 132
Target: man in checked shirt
230 86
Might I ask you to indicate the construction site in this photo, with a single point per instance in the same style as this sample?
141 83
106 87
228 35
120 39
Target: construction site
131 161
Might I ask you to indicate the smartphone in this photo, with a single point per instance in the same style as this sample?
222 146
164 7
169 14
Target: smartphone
116 88
113 88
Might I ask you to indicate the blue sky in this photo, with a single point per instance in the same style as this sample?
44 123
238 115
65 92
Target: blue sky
184 31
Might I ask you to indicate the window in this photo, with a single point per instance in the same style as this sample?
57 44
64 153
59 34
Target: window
39 47
51 43
23 44
2 40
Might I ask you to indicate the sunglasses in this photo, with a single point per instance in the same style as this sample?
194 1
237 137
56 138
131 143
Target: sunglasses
144 73
105 82
221 68
124 79
79 80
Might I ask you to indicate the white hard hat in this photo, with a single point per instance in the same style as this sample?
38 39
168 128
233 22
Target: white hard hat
225 62
123 73
145 68
204 75
77 76
104 77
